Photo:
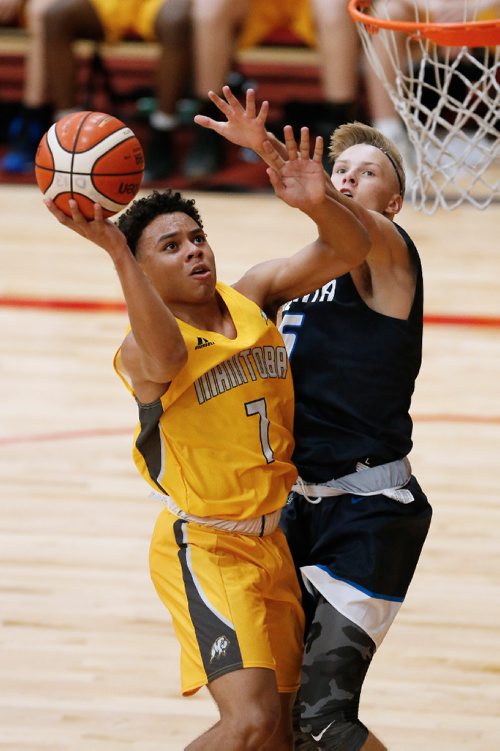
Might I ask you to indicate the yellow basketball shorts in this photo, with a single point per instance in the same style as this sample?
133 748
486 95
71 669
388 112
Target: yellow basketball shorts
234 599
119 17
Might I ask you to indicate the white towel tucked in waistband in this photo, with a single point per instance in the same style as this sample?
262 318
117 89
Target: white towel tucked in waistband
385 479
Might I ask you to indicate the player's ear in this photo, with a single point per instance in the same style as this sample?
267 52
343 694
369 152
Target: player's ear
394 205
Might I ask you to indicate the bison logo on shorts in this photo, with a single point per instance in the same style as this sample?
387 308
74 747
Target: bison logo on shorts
219 648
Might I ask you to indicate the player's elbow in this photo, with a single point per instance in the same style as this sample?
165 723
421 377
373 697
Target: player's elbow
176 362
354 246
363 244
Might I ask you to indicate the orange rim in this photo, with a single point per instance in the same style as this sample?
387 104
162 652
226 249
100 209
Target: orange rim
471 34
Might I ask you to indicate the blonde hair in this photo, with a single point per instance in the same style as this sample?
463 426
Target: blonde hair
351 134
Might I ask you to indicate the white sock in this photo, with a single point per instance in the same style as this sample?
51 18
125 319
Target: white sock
162 121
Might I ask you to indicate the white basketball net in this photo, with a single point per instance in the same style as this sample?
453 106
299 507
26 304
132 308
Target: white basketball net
449 100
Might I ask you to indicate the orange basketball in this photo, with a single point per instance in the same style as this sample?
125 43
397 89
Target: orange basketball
91 157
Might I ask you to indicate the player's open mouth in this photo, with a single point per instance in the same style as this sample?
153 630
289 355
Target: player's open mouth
200 270
346 193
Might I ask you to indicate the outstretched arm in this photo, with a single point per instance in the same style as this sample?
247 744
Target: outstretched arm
154 351
342 242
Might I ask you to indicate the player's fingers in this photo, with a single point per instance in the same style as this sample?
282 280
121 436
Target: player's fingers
304 147
250 108
98 215
59 215
290 142
230 97
220 103
274 178
76 214
263 112
272 156
318 149
204 121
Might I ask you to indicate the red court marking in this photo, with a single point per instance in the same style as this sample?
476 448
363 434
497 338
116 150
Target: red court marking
91 306
456 320
71 435
115 306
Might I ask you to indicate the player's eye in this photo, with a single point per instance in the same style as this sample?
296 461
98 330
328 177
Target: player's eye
200 239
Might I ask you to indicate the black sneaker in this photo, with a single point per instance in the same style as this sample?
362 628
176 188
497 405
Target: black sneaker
205 156
160 160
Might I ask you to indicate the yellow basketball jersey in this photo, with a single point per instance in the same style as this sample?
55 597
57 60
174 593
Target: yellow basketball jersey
219 441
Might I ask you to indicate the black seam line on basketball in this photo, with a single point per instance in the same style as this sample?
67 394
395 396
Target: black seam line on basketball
87 174
82 195
73 154
108 150
72 151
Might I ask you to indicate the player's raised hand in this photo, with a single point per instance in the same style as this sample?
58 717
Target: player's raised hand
243 126
101 231
298 180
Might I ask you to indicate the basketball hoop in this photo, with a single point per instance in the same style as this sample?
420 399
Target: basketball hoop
444 82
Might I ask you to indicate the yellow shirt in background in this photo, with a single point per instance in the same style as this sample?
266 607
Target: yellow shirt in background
120 17
265 16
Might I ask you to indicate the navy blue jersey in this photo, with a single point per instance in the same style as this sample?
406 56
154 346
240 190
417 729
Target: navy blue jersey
354 373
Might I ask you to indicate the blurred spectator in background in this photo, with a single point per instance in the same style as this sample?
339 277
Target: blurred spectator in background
166 21
219 28
34 116
56 24
198 40
350 88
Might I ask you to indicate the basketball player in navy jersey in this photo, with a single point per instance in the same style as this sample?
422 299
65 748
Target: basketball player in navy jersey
357 518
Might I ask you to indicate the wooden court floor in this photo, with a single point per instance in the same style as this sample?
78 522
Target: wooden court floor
88 660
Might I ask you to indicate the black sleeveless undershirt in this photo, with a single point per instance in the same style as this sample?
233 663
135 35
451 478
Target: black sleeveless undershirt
354 373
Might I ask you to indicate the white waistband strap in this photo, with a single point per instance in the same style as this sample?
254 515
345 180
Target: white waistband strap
259 526
384 479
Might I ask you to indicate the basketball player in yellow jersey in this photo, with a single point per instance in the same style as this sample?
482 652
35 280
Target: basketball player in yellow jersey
212 381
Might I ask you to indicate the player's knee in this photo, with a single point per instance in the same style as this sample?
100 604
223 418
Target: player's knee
262 722
254 727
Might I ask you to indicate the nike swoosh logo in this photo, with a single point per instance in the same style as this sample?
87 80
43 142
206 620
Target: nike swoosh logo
320 736
356 499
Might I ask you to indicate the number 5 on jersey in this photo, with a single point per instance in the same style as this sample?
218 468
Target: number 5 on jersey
290 321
